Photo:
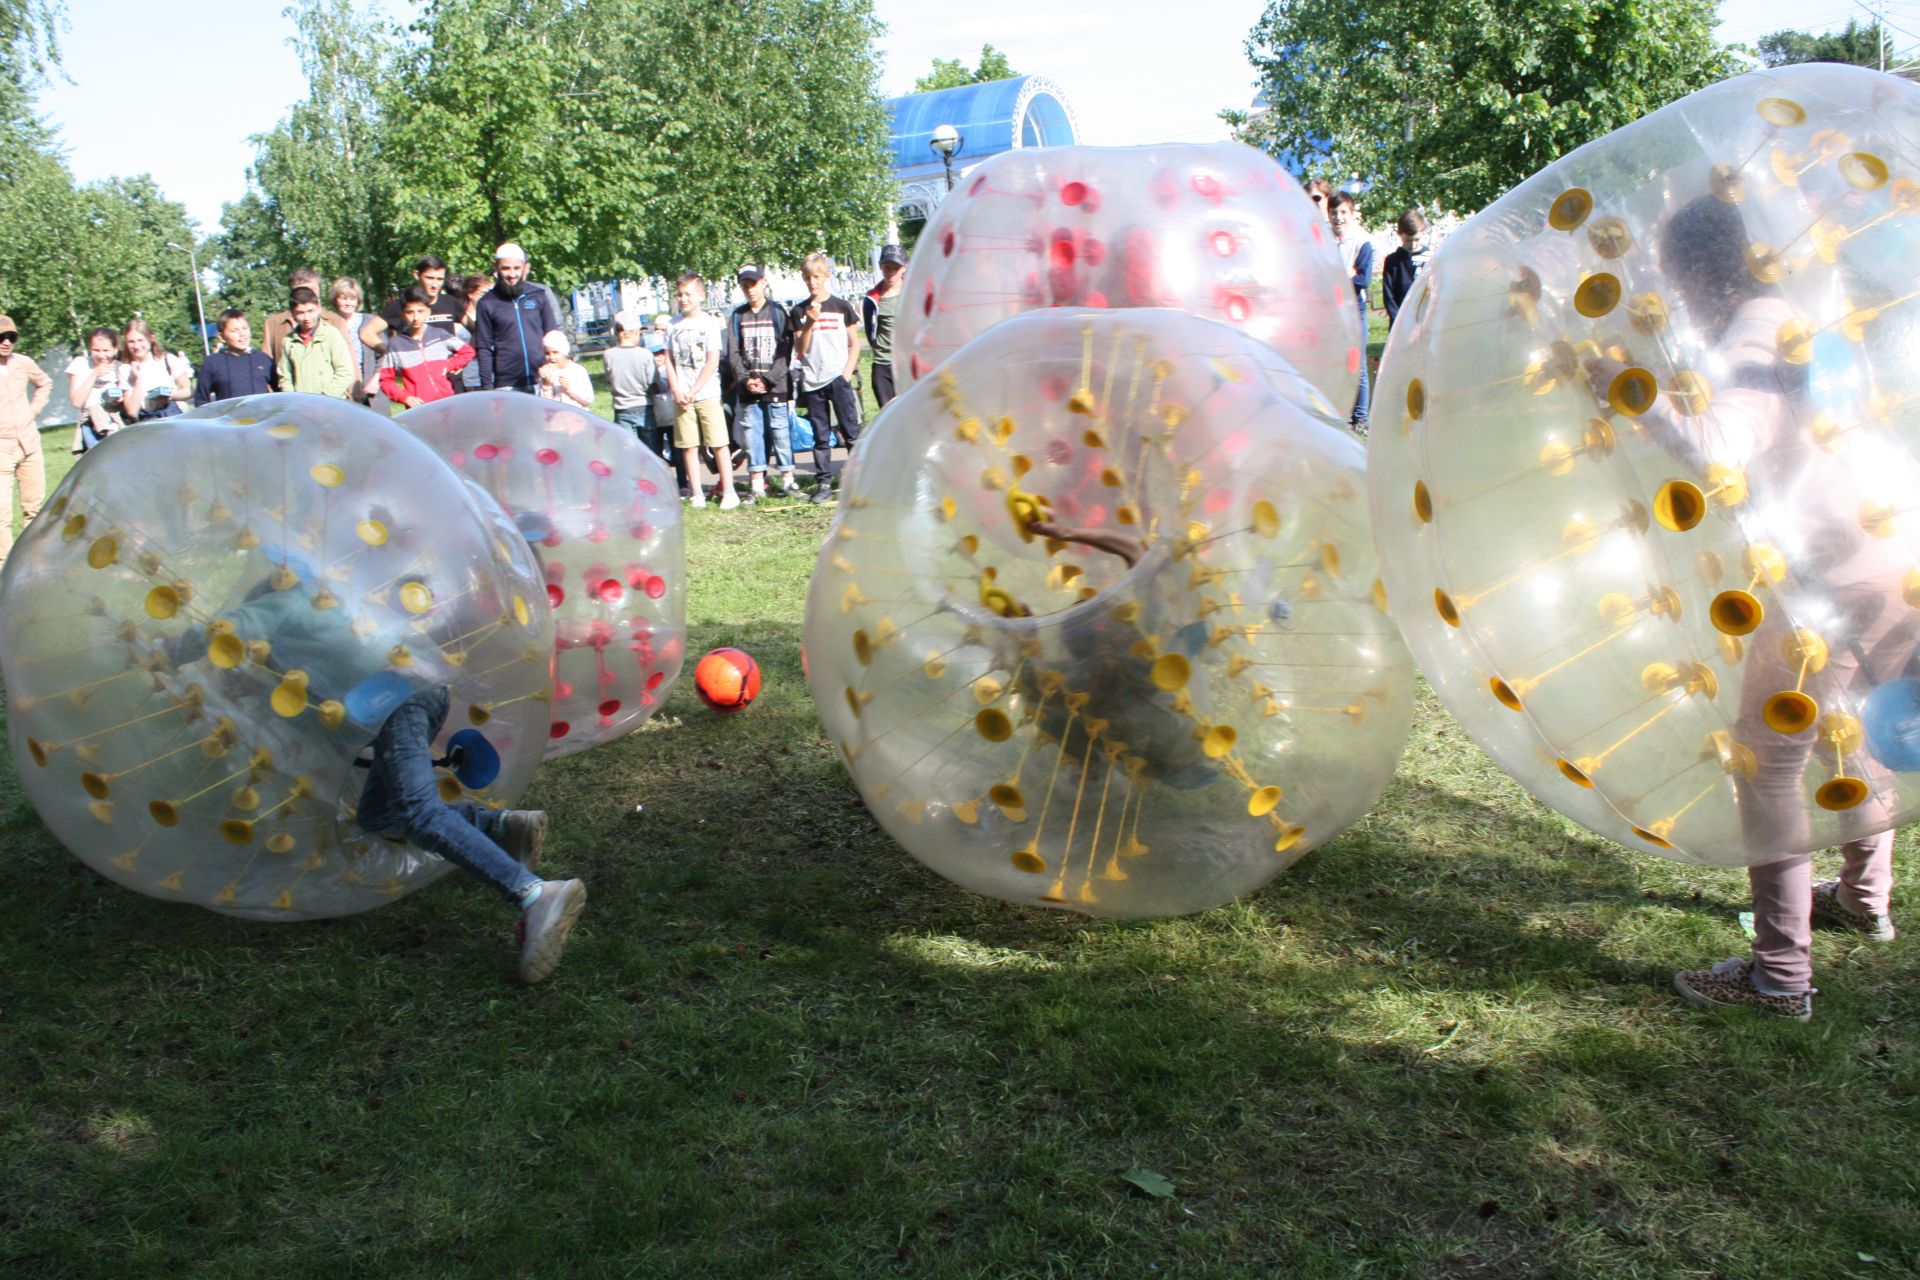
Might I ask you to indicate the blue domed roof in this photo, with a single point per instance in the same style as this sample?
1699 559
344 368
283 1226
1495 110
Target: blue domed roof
993 116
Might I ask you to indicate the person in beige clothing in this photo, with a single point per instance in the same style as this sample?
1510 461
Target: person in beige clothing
21 463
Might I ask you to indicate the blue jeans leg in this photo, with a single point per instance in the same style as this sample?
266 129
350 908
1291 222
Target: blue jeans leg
1360 399
751 416
780 433
402 798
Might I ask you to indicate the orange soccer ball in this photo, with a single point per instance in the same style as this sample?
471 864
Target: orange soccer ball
727 679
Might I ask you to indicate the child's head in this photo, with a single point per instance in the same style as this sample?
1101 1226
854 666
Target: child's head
235 330
1342 212
626 328
1412 226
414 309
818 270
690 291
556 347
1318 191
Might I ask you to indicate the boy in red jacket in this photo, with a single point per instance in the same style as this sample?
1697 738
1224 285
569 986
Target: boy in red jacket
419 360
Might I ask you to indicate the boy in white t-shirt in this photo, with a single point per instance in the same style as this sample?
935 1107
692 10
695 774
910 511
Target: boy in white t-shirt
694 341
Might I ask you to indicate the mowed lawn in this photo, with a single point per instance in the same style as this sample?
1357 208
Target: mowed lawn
1442 1045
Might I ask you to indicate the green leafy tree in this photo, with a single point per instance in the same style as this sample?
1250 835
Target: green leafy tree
633 137
1860 44
527 120
322 178
1450 113
951 73
77 256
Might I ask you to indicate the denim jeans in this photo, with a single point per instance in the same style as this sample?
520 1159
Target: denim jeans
761 422
402 798
1360 400
658 438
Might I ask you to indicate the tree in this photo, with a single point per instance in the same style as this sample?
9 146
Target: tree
951 73
635 137
76 256
1450 114
1858 44
321 177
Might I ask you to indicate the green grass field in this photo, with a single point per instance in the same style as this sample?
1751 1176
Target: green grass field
1442 1045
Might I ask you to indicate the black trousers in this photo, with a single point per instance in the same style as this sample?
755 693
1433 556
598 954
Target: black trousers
845 416
883 382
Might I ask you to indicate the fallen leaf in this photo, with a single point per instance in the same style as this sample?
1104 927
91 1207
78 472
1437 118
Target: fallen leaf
1154 1184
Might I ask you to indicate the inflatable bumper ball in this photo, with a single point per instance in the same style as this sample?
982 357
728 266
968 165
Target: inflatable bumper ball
1097 626
1646 513
212 619
603 515
1217 229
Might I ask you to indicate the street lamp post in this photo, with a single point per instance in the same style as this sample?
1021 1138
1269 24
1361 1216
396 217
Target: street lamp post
193 261
947 143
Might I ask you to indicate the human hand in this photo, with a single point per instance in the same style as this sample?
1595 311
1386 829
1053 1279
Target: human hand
757 386
413 402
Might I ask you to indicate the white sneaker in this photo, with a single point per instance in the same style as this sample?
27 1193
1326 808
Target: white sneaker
699 498
545 926
729 502
789 484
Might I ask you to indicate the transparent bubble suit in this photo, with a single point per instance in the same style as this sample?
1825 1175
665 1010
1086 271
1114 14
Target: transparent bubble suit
1643 467
1040 722
211 620
603 515
1217 229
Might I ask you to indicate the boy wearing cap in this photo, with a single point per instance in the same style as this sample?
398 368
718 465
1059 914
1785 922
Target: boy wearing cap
21 462
878 309
760 356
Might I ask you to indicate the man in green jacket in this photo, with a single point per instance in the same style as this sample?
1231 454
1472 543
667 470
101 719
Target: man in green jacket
314 358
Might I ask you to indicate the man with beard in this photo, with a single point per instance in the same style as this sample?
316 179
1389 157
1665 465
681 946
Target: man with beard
511 323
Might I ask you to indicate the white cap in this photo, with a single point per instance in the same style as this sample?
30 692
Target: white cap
663 318
509 252
557 341
625 321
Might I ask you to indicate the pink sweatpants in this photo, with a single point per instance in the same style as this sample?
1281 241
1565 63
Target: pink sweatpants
1783 907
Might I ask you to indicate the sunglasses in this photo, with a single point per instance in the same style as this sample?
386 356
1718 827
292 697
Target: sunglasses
9 336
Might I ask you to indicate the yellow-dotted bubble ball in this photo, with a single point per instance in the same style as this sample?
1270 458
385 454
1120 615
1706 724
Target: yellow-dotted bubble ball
212 619
1643 466
1098 625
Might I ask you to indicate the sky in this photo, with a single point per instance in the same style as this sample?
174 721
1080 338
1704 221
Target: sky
1131 74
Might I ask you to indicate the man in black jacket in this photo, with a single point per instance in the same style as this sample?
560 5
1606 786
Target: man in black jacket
759 356
511 324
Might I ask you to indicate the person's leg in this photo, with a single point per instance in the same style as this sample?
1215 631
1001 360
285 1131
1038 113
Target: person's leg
1866 876
1359 418
883 391
713 430
1783 925
9 467
814 403
686 441
751 417
780 432
846 411
402 798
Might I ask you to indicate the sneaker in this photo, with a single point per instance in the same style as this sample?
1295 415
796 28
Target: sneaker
699 498
1359 427
789 484
1829 909
758 489
544 926
523 834
1730 983
823 492
729 502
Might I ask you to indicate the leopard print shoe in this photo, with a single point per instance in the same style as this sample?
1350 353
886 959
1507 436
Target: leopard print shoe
1828 909
1730 983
